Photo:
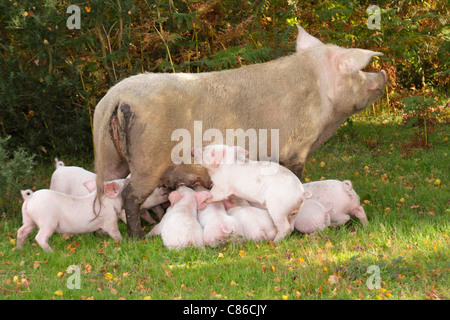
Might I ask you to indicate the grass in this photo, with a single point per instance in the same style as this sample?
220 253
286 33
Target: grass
403 187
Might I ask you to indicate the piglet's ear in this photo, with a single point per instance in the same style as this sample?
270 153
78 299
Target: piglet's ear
174 197
241 150
307 195
228 204
112 190
305 40
215 156
353 60
91 185
202 198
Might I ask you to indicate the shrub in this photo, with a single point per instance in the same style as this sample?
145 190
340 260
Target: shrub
15 172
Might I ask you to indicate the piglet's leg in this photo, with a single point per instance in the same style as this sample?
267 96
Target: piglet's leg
42 238
112 229
22 233
218 194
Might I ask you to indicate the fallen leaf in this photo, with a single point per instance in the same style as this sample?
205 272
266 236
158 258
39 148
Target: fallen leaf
333 279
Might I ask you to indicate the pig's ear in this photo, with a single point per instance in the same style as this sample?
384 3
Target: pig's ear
305 40
216 156
91 185
174 197
307 195
202 198
112 190
241 150
228 204
352 60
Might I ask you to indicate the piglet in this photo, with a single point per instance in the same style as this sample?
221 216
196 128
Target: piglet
179 227
217 225
77 182
53 211
313 216
342 197
254 223
70 179
267 183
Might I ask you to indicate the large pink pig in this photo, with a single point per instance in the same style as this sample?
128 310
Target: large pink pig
313 216
53 211
179 227
342 197
267 183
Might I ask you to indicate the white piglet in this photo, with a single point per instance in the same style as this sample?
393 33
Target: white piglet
313 216
267 183
179 227
53 211
217 225
342 197
70 179
254 223
77 182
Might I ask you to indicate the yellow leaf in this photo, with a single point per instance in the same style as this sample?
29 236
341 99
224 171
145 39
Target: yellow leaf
58 292
284 297
88 9
108 276
59 274
322 164
147 298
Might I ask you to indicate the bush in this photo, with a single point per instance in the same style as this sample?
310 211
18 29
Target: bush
15 172
51 78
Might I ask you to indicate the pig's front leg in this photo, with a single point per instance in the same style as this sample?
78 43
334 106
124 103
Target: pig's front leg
132 212
218 194
112 229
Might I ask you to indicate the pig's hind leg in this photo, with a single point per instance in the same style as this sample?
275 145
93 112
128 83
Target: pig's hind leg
23 232
43 235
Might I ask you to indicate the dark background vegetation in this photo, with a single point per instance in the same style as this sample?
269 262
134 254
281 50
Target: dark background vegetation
51 78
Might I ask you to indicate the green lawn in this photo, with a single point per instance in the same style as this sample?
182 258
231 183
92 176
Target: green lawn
404 188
